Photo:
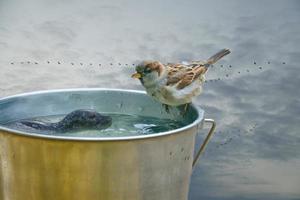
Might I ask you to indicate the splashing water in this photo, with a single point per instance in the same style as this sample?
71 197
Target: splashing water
122 125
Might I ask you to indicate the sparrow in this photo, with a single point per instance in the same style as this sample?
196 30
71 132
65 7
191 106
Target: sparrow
175 84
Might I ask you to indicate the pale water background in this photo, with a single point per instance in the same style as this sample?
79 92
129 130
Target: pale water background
255 153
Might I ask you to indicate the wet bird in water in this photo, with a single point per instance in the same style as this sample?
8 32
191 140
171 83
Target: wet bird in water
175 84
74 121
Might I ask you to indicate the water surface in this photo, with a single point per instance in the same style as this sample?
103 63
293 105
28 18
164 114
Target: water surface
122 125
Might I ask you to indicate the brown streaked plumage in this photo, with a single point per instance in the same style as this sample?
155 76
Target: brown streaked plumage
173 83
183 75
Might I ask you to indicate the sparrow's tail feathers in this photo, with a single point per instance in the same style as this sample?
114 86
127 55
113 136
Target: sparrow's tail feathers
218 56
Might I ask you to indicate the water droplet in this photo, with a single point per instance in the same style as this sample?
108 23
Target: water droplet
58 62
36 63
72 63
260 68
269 62
230 66
48 61
81 64
119 63
227 75
99 64
221 65
283 63
91 64
254 63
248 70
111 63
28 62
239 72
22 62
11 63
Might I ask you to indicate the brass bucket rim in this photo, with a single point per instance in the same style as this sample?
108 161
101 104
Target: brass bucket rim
198 121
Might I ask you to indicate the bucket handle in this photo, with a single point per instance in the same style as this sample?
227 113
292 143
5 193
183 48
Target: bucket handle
202 148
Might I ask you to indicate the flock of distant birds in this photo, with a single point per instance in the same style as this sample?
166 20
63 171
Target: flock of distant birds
239 131
71 63
111 64
229 139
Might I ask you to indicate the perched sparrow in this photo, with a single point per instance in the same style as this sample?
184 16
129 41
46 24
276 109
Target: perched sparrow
175 84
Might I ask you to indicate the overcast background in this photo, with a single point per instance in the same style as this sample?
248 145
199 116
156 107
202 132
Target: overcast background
253 93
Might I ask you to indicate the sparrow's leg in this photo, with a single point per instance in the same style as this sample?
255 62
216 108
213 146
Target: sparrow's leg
166 108
185 109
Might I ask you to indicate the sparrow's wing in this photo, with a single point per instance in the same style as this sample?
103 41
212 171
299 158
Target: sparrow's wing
183 75
176 73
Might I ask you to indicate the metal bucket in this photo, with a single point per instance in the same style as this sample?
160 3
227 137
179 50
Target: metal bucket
47 167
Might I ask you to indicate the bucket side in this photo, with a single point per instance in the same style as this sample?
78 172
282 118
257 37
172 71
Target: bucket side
147 169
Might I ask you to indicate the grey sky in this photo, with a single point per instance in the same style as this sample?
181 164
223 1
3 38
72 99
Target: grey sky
263 163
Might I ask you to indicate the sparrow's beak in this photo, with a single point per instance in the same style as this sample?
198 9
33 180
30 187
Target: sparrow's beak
136 75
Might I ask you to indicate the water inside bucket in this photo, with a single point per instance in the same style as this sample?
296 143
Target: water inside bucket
122 125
